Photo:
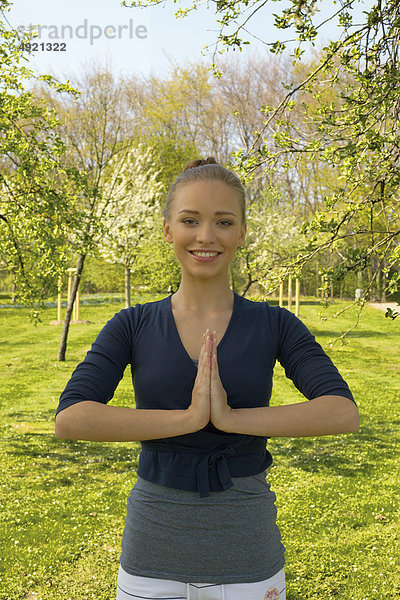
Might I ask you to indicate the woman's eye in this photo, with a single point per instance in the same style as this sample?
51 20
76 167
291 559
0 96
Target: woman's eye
193 221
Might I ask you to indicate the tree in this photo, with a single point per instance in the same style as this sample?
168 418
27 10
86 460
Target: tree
96 129
36 189
357 133
131 198
156 265
184 106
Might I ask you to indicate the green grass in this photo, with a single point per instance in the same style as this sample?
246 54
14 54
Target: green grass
63 502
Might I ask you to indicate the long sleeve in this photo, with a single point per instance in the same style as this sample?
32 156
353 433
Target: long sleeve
305 362
98 375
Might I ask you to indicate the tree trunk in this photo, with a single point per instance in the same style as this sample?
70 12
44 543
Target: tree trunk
13 290
64 335
248 285
127 287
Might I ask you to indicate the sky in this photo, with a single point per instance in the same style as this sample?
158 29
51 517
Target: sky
141 41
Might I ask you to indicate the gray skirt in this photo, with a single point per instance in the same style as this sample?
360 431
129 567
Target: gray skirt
228 537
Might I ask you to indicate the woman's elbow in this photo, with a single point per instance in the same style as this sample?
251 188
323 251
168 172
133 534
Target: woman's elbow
77 421
65 422
339 413
352 418
60 429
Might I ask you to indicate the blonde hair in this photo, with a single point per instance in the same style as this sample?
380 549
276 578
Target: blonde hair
206 170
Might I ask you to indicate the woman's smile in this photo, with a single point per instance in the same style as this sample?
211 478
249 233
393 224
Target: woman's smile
205 255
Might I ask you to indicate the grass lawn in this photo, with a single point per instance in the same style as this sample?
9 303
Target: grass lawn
63 502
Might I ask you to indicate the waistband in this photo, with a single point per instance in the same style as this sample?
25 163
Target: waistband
217 459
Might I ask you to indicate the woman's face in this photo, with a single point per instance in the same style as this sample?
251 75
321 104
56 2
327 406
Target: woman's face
205 215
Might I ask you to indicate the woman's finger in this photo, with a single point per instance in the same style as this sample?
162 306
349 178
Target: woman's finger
210 350
214 365
203 363
200 364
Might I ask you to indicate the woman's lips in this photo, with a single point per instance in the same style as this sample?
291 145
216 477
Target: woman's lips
205 258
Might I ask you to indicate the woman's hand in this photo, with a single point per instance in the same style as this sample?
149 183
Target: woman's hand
209 399
200 408
220 409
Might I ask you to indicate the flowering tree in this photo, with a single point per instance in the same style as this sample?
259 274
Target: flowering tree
272 239
131 211
96 128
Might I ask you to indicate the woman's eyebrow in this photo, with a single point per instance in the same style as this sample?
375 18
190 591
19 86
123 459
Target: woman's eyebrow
217 212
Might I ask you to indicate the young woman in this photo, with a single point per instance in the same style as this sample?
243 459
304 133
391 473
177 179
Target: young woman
201 519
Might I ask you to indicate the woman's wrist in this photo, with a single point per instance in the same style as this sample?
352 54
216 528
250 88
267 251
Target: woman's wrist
224 420
195 422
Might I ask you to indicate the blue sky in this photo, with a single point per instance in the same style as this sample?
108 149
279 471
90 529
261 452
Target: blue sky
141 41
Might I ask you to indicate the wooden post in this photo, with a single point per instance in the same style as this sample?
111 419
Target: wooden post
70 272
289 293
297 311
281 294
59 299
383 295
76 306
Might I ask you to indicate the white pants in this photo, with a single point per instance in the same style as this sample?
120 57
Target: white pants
132 587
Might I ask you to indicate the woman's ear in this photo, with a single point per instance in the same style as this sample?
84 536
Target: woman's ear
167 231
242 237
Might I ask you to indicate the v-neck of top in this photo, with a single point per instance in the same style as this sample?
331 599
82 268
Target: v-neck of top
175 328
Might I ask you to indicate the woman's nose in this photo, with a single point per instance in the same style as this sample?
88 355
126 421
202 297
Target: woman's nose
205 233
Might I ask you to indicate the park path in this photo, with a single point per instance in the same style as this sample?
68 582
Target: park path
384 305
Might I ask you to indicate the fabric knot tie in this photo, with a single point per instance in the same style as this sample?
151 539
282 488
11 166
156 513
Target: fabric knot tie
215 458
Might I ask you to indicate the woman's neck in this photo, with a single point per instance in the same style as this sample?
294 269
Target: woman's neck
203 299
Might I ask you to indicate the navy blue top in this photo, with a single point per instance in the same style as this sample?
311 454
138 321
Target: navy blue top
163 376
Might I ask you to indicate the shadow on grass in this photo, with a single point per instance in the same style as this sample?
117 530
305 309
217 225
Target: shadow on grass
360 452
52 456
32 416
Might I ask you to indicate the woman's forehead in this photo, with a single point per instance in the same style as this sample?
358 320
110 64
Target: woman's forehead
200 194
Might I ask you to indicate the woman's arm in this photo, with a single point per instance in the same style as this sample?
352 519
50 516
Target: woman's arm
95 421
84 413
90 420
324 415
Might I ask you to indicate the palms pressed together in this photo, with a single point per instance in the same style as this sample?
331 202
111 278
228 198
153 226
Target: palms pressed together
209 398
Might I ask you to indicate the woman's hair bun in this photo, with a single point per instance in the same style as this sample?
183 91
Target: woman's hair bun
200 162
